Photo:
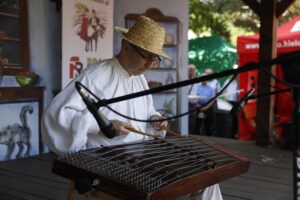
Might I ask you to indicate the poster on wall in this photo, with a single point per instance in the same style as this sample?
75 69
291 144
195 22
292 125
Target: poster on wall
87 35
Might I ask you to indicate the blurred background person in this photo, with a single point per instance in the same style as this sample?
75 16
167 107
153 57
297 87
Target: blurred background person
204 121
215 85
231 94
192 100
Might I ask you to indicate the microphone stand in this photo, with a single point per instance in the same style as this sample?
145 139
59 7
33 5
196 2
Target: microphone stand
296 156
247 67
255 96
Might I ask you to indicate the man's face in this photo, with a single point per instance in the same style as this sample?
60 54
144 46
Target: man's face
192 73
140 60
204 82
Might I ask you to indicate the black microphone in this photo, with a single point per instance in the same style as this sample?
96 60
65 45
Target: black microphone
238 107
104 124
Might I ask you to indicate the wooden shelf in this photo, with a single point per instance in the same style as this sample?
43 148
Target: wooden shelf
10 65
170 45
20 93
3 14
15 45
154 14
167 92
10 39
164 69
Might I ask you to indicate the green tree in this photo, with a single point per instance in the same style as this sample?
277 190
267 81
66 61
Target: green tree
290 13
204 19
229 18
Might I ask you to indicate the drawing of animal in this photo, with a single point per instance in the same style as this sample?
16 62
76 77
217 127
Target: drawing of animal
17 134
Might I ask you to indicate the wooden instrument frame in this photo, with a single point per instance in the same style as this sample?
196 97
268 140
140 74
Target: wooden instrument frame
171 191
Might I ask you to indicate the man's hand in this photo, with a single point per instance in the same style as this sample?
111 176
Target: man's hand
205 108
158 125
121 127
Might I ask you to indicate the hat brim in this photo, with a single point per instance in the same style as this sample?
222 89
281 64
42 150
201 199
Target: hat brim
122 31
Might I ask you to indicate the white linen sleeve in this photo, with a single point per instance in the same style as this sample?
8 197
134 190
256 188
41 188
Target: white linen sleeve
66 130
66 122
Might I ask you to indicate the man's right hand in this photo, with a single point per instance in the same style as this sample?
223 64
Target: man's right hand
121 127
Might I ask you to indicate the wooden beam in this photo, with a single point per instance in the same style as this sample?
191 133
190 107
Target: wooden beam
267 50
283 6
254 5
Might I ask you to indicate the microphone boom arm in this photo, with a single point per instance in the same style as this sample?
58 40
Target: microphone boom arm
247 67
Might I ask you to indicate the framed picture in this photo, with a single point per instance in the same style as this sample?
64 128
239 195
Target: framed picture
20 114
19 129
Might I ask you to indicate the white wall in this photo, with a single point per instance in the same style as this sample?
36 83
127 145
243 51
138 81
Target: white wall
177 9
45 44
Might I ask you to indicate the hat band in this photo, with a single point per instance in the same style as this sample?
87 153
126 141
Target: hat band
148 44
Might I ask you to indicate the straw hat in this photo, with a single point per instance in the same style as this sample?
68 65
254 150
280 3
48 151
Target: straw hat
146 34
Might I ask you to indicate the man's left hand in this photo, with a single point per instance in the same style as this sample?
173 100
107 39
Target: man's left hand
158 125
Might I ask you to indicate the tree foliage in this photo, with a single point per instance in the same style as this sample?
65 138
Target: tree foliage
293 11
229 18
204 19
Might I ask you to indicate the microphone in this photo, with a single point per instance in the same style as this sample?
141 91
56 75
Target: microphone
238 107
104 124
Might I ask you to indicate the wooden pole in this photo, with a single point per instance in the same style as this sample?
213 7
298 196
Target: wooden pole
269 11
267 50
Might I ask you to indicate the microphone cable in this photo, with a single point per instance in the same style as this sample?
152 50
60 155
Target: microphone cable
282 81
167 118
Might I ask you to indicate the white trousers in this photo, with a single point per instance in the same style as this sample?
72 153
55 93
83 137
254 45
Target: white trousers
210 193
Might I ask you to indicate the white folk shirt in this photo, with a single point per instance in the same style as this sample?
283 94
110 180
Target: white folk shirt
68 126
